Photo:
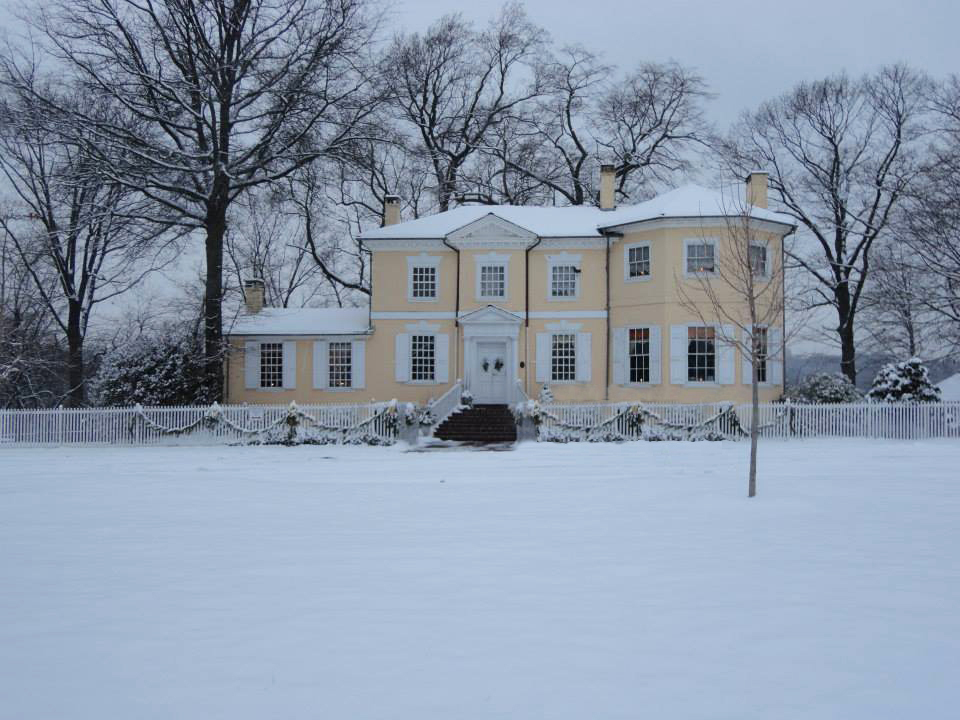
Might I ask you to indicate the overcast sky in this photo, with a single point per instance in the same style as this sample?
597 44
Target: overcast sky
747 51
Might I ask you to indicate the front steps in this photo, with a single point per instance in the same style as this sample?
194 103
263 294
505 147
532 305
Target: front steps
481 423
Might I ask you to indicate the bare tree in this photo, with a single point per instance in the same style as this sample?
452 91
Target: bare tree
31 370
841 153
230 95
930 221
744 293
78 234
645 123
263 242
456 85
900 319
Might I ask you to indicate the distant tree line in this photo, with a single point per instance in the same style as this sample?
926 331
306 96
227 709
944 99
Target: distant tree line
262 137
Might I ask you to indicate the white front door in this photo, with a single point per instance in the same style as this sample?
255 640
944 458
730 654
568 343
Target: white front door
490 373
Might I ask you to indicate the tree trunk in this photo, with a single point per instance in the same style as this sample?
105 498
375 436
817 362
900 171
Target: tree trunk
848 351
216 227
754 425
76 389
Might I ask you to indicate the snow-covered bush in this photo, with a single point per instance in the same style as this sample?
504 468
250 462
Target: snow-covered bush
546 394
163 369
905 381
824 388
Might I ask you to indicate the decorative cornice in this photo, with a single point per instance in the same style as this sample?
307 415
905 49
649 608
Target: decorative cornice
387 245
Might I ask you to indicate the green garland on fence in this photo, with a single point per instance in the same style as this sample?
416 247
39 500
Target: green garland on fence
295 427
637 418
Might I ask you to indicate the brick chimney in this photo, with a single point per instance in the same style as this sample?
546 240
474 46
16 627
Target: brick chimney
757 189
608 175
253 295
391 210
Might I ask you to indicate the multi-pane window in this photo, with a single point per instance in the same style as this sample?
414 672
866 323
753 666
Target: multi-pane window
758 260
701 354
341 365
760 348
271 365
639 353
563 281
422 357
700 257
493 281
423 282
563 358
638 261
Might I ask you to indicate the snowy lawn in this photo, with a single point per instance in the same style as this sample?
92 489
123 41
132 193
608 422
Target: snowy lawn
578 581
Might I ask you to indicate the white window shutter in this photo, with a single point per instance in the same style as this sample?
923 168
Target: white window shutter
358 364
289 364
746 366
656 355
251 365
401 357
442 355
726 355
620 346
775 355
584 357
321 364
678 354
543 357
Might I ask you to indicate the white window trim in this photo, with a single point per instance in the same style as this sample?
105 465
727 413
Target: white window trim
717 335
765 246
422 261
699 241
352 388
628 383
261 340
576 359
492 260
564 258
626 262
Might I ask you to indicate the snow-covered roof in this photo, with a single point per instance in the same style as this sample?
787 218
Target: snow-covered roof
303 321
689 201
950 388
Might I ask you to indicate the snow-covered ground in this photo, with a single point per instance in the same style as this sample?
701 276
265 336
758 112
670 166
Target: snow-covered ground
576 581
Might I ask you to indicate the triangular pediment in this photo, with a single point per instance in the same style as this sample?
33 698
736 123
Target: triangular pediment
491 231
490 314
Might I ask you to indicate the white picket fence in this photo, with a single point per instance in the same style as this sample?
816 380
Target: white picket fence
132 426
890 421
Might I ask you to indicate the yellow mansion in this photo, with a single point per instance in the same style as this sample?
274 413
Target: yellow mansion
589 301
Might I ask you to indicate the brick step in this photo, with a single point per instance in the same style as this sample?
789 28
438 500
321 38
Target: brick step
481 423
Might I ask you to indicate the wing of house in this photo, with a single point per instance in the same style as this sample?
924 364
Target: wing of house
593 301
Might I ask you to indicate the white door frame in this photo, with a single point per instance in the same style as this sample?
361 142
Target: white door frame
495 325
504 377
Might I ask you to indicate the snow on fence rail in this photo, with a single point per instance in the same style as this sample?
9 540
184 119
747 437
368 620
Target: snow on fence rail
372 423
631 421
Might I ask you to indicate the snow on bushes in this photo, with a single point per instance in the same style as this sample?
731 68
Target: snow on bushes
905 381
824 388
158 370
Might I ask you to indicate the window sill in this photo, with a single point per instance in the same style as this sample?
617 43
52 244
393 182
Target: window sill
489 299
423 382
638 279
423 300
272 389
704 274
563 299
